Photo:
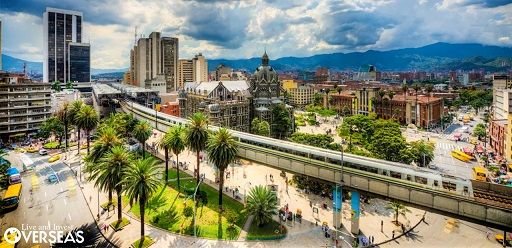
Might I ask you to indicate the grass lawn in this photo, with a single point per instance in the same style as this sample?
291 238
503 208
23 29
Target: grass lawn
118 225
266 232
165 210
147 242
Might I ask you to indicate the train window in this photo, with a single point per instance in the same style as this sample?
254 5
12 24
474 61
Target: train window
421 180
408 178
436 184
466 189
385 173
363 168
396 174
373 170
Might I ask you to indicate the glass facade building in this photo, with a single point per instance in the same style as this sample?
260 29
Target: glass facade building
79 59
61 27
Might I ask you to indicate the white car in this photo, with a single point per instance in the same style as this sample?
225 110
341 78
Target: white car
43 152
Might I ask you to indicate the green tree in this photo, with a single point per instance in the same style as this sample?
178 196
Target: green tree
74 108
422 152
222 150
164 143
317 99
281 122
260 127
87 119
52 126
108 174
69 85
63 115
176 143
386 145
56 86
106 138
262 204
398 208
480 131
197 136
142 131
140 182
357 126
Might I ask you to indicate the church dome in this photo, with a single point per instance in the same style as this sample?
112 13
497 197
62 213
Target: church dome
265 71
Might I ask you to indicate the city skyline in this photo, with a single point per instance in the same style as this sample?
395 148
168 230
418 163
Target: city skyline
290 28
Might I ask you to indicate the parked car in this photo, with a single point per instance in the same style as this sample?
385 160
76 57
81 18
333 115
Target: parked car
43 152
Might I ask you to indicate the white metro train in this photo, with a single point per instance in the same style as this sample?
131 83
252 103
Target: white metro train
422 176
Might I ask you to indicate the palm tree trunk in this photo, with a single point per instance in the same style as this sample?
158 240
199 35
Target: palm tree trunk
396 216
119 204
109 197
142 210
143 150
66 133
178 171
166 152
197 171
221 186
88 141
78 139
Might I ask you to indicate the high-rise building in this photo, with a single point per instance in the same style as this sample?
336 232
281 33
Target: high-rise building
79 62
200 67
60 29
155 56
185 72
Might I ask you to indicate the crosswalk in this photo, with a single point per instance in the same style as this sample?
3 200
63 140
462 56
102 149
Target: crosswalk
447 146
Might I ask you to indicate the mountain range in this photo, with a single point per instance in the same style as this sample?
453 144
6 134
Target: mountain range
438 56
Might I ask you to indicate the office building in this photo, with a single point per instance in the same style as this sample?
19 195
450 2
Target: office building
158 83
79 62
24 105
185 72
200 68
223 72
155 56
62 31
58 99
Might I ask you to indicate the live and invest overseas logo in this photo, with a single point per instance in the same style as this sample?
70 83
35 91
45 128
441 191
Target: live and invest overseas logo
46 234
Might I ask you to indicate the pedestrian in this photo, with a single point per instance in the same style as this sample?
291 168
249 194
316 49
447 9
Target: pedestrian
233 194
381 226
488 234
393 234
373 239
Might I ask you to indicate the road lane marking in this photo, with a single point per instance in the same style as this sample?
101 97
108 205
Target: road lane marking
69 216
65 202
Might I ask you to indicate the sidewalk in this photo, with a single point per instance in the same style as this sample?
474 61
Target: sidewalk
305 234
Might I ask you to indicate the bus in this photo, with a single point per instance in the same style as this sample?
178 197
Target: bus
479 173
460 155
12 196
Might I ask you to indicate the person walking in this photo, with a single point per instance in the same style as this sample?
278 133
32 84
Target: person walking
381 226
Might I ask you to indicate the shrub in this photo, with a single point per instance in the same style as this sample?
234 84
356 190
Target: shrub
188 211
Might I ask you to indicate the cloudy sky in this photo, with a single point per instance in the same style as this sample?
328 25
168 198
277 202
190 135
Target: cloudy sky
243 28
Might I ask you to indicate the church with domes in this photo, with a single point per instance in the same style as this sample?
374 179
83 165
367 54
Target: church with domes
267 93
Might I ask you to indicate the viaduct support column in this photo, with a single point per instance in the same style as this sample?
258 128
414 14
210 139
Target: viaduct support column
355 204
337 206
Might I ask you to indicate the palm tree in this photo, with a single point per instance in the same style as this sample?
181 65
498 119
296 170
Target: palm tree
142 132
64 117
416 88
74 108
197 136
399 209
163 143
381 94
106 138
114 165
222 150
405 89
176 143
262 204
141 181
87 119
429 90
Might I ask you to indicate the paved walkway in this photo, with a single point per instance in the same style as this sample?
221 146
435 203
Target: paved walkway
304 234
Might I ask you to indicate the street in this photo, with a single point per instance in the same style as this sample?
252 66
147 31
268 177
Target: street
58 205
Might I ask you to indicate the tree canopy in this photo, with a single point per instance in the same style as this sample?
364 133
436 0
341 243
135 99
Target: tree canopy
260 127
282 122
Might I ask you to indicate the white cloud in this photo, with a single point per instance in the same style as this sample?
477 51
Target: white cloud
241 29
